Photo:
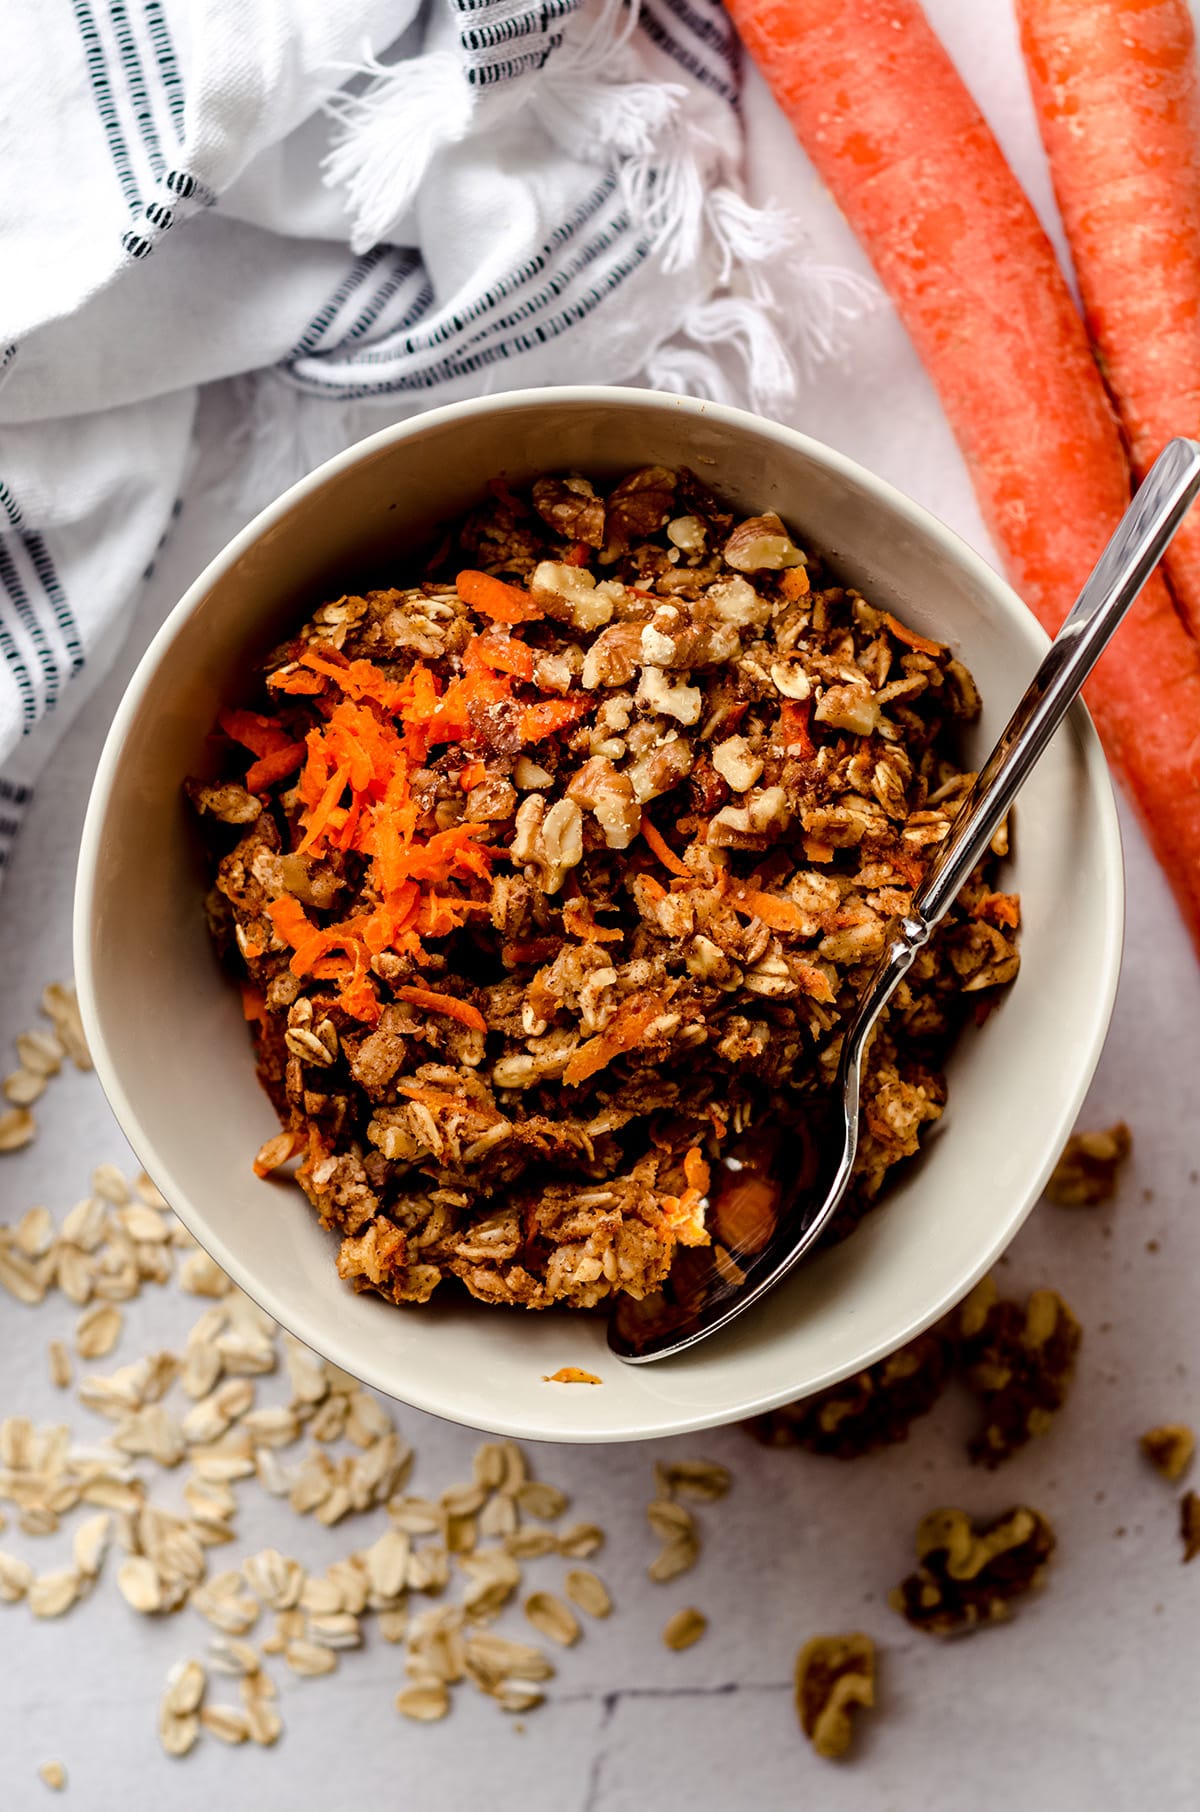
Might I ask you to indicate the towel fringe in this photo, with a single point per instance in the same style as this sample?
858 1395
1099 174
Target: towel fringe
760 299
389 133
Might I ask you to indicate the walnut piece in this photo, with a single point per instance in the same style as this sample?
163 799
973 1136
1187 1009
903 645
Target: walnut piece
1169 1448
761 544
1086 1173
571 507
575 589
548 842
1020 1361
1189 1525
833 1675
875 1408
640 504
969 1574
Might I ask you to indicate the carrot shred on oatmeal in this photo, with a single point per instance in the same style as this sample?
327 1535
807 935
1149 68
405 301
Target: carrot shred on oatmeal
623 1034
696 1173
794 583
447 1004
776 914
261 735
664 852
911 638
492 597
794 719
550 716
276 765
254 1004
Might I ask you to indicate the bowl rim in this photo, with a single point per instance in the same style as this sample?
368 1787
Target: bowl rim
293 1315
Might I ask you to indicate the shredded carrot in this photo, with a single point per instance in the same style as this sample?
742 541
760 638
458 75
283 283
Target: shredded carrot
777 914
696 1173
254 1003
794 718
580 921
499 654
813 981
295 679
1000 909
624 1032
578 554
653 886
494 598
793 583
430 1001
252 951
276 765
816 851
910 637
473 775
570 1374
551 715
261 735
664 852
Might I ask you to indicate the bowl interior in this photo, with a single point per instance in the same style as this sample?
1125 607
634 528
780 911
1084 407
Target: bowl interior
174 1056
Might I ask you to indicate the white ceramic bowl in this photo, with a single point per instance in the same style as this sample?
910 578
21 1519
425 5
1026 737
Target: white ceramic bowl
173 1053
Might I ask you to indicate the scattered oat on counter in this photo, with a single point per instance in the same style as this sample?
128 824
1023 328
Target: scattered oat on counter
970 1573
834 1675
432 1582
571 1374
588 1591
1086 1174
1169 1448
684 1628
875 1408
40 1055
1189 1525
54 1775
1019 1360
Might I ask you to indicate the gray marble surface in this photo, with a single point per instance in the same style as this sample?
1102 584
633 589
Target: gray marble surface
1085 1701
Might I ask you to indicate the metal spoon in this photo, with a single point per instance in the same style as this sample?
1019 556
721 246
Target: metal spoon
711 1298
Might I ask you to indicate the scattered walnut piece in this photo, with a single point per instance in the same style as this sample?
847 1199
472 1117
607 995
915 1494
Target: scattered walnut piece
969 1574
1169 1448
833 1675
1189 1525
875 1408
1086 1174
1019 1360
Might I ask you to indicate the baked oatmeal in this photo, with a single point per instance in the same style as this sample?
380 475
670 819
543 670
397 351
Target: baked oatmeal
551 875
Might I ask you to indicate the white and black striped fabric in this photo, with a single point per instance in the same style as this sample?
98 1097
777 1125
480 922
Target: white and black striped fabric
543 189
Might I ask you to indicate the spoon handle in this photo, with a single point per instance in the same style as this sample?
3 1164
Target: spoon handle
1137 545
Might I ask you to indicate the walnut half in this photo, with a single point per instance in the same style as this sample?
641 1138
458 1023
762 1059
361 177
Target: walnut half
969 1574
1169 1448
833 1675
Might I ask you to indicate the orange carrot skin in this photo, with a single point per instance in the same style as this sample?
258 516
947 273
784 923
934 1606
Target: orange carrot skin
1118 103
908 157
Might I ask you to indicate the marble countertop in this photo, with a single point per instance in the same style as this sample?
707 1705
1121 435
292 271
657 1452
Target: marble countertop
1084 1701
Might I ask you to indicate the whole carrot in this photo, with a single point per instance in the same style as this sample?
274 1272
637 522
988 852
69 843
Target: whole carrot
907 155
1118 103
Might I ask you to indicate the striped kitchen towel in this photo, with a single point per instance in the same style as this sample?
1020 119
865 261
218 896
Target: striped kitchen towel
381 205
